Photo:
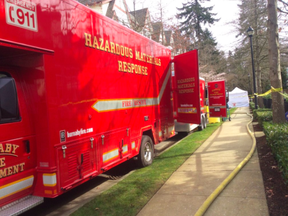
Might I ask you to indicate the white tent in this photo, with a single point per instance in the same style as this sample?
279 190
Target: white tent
238 98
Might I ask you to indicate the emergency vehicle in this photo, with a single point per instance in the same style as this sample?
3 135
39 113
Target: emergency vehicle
80 94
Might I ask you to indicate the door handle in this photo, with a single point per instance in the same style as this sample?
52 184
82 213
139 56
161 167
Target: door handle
27 146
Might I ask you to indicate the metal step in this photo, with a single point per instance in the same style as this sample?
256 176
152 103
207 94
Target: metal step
21 205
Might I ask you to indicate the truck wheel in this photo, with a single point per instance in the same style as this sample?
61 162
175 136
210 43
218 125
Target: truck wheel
146 154
202 125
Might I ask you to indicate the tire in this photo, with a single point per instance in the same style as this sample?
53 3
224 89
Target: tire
202 125
146 154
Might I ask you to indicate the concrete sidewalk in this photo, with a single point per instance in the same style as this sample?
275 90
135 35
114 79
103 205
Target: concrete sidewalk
189 186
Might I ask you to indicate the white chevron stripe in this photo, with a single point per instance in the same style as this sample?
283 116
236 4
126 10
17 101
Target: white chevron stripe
118 104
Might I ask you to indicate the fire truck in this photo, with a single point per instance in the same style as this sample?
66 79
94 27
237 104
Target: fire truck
80 94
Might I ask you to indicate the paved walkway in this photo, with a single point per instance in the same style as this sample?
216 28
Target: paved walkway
189 186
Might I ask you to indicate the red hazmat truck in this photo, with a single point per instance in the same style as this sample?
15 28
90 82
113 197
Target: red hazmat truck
80 94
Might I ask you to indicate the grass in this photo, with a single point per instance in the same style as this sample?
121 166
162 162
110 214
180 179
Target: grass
130 195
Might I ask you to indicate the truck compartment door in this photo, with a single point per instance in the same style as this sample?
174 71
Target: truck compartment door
217 99
187 91
76 161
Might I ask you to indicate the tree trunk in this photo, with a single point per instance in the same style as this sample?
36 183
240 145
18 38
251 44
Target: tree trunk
257 56
274 62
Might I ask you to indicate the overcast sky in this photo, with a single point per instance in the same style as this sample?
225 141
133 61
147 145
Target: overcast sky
223 31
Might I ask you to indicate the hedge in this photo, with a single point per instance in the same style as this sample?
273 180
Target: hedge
277 139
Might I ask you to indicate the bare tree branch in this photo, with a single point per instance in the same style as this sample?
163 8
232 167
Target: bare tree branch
282 11
285 3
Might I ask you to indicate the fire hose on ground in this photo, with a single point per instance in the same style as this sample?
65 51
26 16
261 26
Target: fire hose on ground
222 186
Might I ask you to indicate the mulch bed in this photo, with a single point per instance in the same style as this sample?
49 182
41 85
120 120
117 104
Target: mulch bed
275 188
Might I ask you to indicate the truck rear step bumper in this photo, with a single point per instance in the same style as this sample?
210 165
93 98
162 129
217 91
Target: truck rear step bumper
20 206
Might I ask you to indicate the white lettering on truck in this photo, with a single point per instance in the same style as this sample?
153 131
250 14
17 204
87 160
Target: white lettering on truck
79 132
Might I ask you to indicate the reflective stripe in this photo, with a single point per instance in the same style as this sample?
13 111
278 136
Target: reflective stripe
110 155
49 179
114 153
15 187
133 145
50 192
213 107
119 104
125 148
171 130
187 110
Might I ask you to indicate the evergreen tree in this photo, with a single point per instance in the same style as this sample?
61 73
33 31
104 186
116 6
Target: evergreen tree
209 55
194 16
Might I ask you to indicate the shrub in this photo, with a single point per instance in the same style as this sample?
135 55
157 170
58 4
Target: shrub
285 95
252 105
263 115
277 139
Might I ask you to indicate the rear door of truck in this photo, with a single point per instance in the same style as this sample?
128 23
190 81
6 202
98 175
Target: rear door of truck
186 90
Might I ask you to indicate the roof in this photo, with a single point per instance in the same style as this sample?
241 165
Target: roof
90 2
110 12
156 31
237 90
140 16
